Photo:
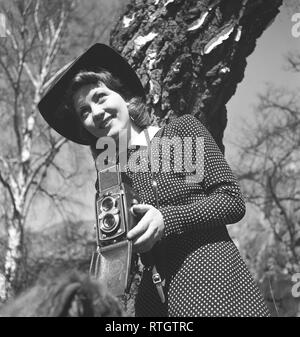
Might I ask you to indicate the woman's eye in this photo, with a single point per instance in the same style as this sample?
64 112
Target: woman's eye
100 97
84 114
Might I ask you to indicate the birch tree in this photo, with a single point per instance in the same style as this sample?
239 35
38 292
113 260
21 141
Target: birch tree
40 37
34 33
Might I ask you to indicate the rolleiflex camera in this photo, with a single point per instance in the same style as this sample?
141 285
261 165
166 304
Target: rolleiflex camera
112 261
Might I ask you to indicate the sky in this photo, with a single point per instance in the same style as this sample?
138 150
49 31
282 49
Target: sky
265 65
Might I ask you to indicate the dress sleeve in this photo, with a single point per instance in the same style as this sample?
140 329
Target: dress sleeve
222 202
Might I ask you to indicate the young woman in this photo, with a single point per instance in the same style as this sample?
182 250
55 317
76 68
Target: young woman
184 219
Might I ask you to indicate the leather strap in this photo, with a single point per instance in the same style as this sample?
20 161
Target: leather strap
156 279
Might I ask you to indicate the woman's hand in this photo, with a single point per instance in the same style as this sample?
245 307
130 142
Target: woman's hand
149 229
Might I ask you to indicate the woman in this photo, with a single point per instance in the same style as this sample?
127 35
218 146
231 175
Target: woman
184 219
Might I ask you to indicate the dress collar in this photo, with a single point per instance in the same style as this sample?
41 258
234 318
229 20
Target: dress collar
140 140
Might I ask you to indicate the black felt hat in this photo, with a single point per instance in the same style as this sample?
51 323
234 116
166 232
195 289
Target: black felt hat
54 106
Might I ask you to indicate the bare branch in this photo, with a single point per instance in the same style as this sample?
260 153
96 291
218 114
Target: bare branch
293 60
45 162
30 75
9 189
7 73
37 22
53 48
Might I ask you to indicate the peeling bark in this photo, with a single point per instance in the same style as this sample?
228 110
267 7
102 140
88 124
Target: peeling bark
190 55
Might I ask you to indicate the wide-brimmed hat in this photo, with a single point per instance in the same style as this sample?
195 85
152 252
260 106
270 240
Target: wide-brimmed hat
54 106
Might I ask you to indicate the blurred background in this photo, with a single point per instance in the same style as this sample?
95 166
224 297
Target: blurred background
55 203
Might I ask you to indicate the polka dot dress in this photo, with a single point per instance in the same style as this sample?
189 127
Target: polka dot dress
198 196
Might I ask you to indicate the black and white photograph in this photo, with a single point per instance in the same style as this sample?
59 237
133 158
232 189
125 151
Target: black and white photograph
150 161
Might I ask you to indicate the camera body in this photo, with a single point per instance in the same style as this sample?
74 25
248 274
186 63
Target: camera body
112 262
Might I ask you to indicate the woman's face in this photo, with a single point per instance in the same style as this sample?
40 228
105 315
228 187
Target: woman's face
103 112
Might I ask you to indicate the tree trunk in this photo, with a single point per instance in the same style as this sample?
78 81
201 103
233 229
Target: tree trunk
190 55
13 259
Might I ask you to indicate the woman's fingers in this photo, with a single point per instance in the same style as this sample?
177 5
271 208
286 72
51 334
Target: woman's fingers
142 225
140 228
148 230
145 242
140 208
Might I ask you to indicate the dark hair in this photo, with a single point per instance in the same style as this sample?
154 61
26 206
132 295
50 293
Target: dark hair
136 105
101 75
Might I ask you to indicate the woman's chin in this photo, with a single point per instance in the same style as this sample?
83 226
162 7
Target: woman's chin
112 132
116 132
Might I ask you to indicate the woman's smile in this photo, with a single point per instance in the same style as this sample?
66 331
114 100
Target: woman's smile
105 122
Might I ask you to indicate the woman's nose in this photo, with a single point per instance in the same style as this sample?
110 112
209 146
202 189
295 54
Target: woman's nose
97 113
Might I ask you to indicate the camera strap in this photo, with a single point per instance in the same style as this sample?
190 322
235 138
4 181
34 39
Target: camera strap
156 278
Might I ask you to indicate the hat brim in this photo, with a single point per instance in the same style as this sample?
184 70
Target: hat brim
53 106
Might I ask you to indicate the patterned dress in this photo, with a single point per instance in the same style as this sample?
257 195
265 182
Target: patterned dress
203 270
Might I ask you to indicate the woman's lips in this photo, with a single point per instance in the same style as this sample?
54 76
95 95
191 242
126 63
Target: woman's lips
105 123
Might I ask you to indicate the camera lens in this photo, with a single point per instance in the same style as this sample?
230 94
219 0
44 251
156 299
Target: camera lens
107 204
109 223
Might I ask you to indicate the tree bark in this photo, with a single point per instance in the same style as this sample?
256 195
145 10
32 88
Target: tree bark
13 259
190 55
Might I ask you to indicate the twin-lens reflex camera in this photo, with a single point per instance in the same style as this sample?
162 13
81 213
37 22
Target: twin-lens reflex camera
113 260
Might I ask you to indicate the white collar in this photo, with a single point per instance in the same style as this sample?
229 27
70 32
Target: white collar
141 138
